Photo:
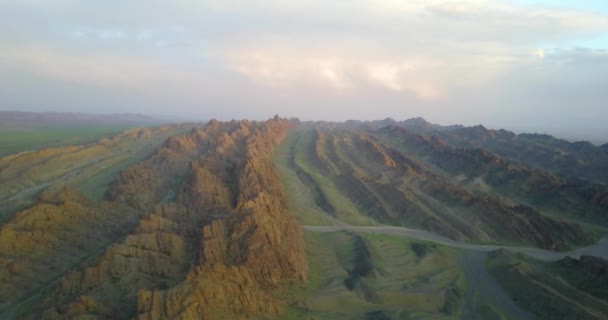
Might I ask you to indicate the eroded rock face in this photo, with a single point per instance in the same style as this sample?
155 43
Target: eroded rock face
216 249
218 292
25 175
400 178
44 241
158 253
245 253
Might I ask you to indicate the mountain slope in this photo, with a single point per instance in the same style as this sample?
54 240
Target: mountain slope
208 223
570 159
371 173
89 167
565 289
487 171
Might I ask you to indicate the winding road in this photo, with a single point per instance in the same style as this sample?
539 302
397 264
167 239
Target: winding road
600 249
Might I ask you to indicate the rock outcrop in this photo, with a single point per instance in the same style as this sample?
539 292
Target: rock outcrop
400 178
244 255
88 168
216 243
50 238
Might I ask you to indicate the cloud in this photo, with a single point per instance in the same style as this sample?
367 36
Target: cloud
98 33
447 59
416 47
344 68
445 19
133 73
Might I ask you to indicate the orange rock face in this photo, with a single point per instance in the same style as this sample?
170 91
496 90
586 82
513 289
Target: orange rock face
244 253
218 237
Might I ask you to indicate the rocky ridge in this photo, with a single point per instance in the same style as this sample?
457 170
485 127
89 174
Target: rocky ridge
88 167
255 248
413 186
220 235
486 170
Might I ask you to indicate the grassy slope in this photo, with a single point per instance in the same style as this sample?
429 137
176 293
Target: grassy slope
545 288
302 196
90 168
297 193
356 176
401 284
346 210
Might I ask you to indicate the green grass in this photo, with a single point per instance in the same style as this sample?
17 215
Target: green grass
302 197
298 196
404 285
544 288
15 141
488 313
96 186
89 169
345 209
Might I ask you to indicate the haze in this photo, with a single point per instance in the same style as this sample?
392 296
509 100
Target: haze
512 64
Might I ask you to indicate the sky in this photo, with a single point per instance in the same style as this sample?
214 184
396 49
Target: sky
512 64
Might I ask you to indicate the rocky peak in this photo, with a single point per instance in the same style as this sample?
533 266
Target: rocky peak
65 194
249 242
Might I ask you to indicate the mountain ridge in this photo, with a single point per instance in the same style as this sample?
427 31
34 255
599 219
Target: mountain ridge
573 159
205 220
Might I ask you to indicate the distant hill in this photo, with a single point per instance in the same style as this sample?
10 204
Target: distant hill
18 120
418 124
580 159
26 131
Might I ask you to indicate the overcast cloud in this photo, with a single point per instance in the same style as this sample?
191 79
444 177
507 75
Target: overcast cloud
500 63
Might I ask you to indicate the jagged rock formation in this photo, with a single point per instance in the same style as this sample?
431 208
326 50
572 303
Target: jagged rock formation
400 178
157 253
489 172
218 241
256 247
90 167
48 239
572 159
154 179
